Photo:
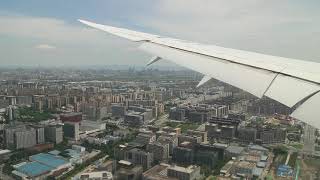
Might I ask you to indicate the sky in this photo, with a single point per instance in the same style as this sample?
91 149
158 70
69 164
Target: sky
47 33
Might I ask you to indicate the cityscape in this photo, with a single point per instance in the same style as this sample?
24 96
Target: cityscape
146 124
159 90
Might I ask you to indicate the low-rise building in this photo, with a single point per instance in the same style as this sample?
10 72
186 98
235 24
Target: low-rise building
95 175
128 171
158 172
41 166
191 172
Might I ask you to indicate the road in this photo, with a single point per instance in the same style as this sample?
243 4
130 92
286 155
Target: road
162 119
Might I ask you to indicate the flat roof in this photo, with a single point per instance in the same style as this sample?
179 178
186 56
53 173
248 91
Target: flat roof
4 151
188 169
125 162
257 171
48 159
34 169
54 152
235 149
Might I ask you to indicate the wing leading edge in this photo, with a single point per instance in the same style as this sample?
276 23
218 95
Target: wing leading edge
294 83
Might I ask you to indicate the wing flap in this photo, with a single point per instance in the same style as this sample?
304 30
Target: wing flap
309 111
289 91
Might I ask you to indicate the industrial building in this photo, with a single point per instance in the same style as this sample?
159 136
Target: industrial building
41 166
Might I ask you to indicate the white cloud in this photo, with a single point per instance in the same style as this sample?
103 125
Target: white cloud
283 28
78 44
47 29
45 47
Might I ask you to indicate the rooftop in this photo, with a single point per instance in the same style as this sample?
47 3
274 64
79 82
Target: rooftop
257 147
157 172
54 152
4 151
252 158
48 159
97 175
227 167
34 169
257 171
188 169
235 149
245 164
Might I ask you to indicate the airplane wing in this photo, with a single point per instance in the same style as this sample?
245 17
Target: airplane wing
292 82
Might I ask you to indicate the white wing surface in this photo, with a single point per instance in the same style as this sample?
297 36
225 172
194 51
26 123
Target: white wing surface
292 82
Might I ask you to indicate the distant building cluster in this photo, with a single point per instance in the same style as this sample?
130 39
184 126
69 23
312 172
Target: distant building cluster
94 100
198 113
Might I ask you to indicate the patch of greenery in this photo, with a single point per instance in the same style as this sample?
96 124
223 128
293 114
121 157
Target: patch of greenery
269 177
62 146
293 159
212 178
27 114
188 126
172 124
280 150
296 145
184 126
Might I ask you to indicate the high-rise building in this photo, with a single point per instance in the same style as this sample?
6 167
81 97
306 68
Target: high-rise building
118 110
11 112
54 133
203 134
140 157
38 102
171 139
71 130
40 137
248 135
177 114
160 151
183 155
25 138
9 137
269 136
20 137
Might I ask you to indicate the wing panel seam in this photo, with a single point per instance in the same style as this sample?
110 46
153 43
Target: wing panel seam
230 61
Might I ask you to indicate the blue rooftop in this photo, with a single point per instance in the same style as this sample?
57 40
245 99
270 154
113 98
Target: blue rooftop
48 159
284 170
34 169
